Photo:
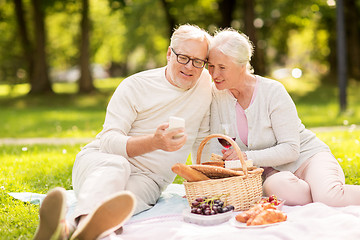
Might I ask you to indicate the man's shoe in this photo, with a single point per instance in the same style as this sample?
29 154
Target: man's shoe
106 218
52 213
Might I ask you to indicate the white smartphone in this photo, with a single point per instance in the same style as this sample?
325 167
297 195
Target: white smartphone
175 123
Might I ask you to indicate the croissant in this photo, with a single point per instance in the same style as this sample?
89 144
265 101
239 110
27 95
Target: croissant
250 214
267 216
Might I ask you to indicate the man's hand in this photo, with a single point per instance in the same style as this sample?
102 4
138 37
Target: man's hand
161 139
164 139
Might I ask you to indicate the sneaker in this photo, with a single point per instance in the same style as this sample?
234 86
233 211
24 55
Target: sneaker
106 218
52 216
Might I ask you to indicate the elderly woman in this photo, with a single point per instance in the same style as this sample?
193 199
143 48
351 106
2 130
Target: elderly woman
260 114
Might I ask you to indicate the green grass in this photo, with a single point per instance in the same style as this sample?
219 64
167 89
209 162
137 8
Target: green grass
35 168
321 106
318 105
67 114
64 114
345 147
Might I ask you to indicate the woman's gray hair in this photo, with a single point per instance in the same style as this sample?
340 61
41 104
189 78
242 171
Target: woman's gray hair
235 45
189 32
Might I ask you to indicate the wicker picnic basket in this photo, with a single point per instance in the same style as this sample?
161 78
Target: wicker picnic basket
242 191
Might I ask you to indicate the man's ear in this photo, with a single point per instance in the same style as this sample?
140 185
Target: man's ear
168 54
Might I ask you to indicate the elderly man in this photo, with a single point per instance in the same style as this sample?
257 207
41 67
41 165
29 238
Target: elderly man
125 169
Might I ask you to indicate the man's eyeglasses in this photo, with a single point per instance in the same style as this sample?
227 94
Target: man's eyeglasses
183 59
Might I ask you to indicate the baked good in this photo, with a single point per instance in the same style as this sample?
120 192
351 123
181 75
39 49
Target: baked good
190 174
261 214
268 216
216 172
250 214
236 164
216 158
217 164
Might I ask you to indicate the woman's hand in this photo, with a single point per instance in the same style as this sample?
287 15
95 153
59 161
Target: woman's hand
231 154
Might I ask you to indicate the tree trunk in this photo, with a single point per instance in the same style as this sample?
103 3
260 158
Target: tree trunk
41 82
86 80
258 60
352 23
170 19
23 33
226 8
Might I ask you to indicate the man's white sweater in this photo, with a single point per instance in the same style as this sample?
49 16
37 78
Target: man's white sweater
140 104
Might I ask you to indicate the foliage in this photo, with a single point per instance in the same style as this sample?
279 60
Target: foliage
134 35
11 62
143 48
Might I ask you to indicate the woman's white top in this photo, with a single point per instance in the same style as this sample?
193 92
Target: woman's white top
276 136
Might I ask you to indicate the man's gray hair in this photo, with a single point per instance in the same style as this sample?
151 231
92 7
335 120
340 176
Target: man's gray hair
235 45
189 32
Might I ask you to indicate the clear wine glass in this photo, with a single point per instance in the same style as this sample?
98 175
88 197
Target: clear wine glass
226 131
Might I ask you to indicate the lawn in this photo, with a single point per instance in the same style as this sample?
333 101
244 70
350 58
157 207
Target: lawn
69 115
64 114
38 168
35 168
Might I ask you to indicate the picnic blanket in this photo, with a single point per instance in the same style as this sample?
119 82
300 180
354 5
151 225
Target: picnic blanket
165 221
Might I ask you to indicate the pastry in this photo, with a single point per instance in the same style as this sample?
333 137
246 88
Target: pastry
268 216
261 214
191 175
216 158
236 164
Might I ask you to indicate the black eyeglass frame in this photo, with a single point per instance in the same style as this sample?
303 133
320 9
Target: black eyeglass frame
188 59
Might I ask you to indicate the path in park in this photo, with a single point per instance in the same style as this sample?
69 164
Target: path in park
66 141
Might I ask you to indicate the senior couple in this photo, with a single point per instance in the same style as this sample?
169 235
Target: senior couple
125 169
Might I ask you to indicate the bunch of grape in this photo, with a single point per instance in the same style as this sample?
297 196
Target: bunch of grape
210 206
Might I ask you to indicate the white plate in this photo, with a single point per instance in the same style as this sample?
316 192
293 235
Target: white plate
206 220
243 225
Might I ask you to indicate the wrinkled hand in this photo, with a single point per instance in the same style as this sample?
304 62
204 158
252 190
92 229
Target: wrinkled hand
164 139
231 154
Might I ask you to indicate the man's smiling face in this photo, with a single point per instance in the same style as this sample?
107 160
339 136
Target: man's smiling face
185 76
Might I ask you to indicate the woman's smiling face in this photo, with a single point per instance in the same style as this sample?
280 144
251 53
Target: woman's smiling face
223 70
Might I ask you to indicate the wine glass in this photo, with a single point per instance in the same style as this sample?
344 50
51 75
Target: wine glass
226 131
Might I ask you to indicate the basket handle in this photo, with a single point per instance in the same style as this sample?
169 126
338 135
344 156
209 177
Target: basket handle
233 144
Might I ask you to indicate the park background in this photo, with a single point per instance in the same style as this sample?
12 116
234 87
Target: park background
61 60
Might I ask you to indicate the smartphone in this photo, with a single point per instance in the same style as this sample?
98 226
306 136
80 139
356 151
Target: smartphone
175 123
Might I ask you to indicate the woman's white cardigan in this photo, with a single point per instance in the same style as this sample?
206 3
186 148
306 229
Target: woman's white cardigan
276 136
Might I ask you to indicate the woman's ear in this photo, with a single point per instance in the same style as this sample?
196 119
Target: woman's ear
243 67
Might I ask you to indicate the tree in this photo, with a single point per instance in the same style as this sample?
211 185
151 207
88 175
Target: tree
169 17
85 81
250 30
226 8
352 23
40 82
34 54
23 33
